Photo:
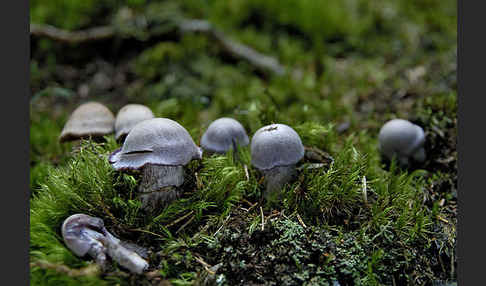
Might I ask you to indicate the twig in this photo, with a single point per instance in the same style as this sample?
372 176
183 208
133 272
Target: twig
263 218
248 202
184 225
179 219
205 265
442 219
146 231
224 222
301 221
240 51
252 205
272 215
90 270
64 36
236 49
245 167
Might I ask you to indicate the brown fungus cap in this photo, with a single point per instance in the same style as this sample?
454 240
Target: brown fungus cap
128 116
222 134
89 119
158 141
276 145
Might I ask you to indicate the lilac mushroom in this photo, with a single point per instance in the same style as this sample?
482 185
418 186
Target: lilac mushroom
224 134
403 139
84 234
160 147
128 116
91 119
275 150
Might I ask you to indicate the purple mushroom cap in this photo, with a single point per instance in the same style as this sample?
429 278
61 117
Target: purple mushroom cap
222 134
81 231
400 137
158 141
276 145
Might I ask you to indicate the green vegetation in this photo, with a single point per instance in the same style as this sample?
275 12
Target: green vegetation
352 219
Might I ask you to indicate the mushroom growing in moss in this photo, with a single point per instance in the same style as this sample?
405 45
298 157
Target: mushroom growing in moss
84 234
128 116
275 150
91 119
160 147
224 134
403 139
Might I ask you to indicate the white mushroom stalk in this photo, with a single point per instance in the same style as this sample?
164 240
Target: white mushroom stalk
84 234
275 151
160 148
404 140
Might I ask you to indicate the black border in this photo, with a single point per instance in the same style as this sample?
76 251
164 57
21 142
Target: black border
471 102
15 91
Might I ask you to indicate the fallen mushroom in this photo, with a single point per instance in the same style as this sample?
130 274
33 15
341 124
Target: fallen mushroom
128 116
224 134
275 150
91 119
403 139
84 234
160 147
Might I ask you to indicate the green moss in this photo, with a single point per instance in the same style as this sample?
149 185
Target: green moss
366 223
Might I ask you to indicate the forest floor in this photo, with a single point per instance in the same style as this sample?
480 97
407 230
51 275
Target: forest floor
349 67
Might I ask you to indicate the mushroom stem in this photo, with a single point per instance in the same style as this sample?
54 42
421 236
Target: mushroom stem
159 185
97 249
126 258
276 178
123 256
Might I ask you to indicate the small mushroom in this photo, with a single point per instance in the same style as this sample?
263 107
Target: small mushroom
84 234
128 116
224 134
275 150
403 139
91 119
160 147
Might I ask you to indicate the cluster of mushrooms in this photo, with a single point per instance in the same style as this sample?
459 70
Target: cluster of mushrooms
161 147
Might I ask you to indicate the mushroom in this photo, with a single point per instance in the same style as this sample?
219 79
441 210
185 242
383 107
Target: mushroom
403 139
224 134
91 119
84 234
275 150
160 147
128 116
